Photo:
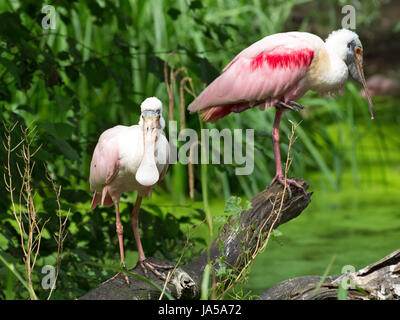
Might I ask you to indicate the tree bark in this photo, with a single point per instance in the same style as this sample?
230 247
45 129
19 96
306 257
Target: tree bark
240 239
378 281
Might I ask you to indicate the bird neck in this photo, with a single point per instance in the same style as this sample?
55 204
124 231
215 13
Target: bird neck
328 72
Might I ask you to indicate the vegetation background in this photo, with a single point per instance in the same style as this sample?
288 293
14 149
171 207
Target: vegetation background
92 72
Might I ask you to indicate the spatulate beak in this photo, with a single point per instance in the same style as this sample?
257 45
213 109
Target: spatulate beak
147 174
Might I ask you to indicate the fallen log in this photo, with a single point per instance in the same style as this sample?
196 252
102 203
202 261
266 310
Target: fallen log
377 281
240 238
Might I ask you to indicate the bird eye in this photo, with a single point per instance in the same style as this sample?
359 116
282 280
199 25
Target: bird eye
158 111
357 50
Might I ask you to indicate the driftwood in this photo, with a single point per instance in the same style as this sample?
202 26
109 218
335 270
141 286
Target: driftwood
378 281
242 236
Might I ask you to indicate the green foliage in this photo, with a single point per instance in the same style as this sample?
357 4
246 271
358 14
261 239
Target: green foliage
233 205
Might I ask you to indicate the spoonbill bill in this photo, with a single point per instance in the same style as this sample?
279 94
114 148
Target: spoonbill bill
276 71
131 158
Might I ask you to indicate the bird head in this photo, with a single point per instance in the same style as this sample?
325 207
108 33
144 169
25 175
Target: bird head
348 47
151 109
151 122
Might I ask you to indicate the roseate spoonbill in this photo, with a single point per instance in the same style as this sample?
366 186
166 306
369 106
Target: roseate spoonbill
276 71
131 158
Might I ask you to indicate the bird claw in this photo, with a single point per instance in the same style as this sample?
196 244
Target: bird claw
280 179
115 276
153 267
296 104
286 106
290 105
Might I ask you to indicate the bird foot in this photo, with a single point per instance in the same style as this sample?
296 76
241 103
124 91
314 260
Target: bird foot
125 276
281 179
290 105
153 267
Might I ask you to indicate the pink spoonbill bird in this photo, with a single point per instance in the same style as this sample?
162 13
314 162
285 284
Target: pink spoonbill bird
276 71
131 158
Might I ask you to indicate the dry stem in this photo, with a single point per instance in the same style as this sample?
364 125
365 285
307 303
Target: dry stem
30 227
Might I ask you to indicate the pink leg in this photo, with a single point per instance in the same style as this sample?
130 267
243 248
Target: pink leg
120 233
141 260
135 224
275 141
279 177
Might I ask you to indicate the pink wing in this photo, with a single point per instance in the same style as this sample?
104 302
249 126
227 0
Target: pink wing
104 167
269 70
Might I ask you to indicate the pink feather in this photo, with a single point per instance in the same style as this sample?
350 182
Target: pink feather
271 69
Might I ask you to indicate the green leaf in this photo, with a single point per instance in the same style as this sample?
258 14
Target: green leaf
72 73
58 130
205 282
342 293
195 5
11 28
156 66
174 13
232 204
96 72
65 148
11 68
5 94
63 55
203 69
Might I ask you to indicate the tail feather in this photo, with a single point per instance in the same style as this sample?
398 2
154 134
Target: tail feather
214 113
96 200
103 198
106 199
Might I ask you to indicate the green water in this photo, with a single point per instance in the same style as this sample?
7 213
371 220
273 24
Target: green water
354 227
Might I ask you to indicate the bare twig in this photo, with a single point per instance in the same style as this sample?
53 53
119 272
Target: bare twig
30 238
62 223
24 210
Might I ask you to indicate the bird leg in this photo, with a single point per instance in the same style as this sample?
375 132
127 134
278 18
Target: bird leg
279 177
142 258
120 232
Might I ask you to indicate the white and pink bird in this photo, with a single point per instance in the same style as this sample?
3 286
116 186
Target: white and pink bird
127 159
278 70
